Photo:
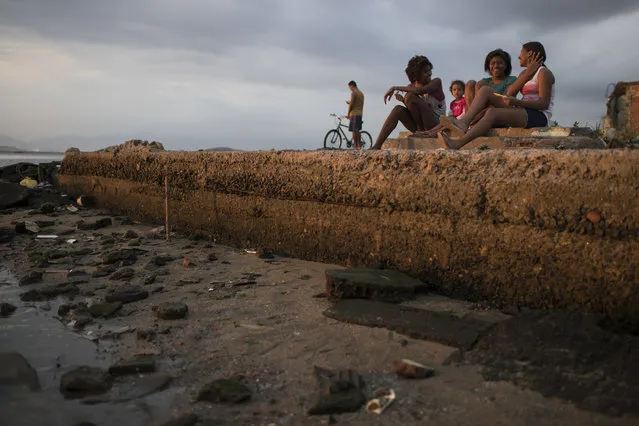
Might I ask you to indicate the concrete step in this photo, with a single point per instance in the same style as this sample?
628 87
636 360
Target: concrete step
518 142
547 132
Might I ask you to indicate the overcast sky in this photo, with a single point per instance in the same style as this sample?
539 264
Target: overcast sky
261 74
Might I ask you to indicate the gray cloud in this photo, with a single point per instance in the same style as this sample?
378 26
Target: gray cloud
168 66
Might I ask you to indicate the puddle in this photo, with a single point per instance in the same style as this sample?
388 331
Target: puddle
52 349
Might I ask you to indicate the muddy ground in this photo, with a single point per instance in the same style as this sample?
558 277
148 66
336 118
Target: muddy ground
253 318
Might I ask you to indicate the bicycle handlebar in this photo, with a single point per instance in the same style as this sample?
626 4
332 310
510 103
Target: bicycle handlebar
341 117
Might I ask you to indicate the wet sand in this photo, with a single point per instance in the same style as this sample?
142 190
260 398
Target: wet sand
250 319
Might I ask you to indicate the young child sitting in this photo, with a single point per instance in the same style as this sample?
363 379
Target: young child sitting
458 105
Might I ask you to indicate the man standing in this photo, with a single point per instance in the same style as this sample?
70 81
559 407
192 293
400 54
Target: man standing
355 112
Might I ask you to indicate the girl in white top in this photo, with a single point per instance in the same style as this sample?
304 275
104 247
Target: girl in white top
537 85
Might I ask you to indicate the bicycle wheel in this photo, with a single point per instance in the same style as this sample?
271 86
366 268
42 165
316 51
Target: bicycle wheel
333 140
367 140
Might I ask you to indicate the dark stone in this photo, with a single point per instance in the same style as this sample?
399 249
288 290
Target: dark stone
377 284
417 323
6 235
141 364
31 278
78 277
184 420
15 370
47 208
45 223
81 252
224 391
128 257
128 295
133 390
63 310
49 292
149 279
333 381
108 241
347 401
158 289
134 243
65 231
98 224
130 234
85 424
263 253
104 310
12 194
123 274
125 221
563 355
84 381
171 310
103 272
146 334
161 260
6 309
56 254
82 321
212 257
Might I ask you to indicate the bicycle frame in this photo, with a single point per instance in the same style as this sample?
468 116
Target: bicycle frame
340 130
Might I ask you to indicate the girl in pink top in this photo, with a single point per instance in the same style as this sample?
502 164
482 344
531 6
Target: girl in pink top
537 85
458 105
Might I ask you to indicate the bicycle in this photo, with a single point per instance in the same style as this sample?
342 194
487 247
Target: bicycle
333 139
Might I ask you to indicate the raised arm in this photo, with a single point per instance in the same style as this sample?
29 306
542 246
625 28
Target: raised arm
525 75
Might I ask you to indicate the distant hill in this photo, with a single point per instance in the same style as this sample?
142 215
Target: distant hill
8 149
8 144
221 148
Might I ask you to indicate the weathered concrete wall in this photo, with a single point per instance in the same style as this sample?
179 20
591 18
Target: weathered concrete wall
539 228
623 110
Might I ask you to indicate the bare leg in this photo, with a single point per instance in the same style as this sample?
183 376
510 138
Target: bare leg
357 138
415 113
399 113
513 117
469 92
425 112
485 97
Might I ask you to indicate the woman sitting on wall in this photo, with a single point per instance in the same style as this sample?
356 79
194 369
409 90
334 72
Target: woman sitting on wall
499 66
537 85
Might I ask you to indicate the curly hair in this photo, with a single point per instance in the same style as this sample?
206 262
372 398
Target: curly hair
416 66
457 83
501 54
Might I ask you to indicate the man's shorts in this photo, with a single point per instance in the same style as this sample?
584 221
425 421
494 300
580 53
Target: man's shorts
355 124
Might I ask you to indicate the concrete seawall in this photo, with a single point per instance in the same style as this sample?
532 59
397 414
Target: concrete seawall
545 229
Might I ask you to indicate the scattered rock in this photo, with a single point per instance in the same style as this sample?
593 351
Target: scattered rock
86 201
12 194
31 278
141 364
7 235
162 260
47 208
15 370
171 310
133 390
81 321
147 334
333 381
130 234
103 272
104 310
411 369
186 281
128 257
125 221
49 292
98 224
6 309
65 231
347 401
134 243
123 274
84 381
377 284
264 253
56 254
107 241
185 420
593 217
63 310
149 279
81 252
212 257
158 289
78 277
128 295
224 391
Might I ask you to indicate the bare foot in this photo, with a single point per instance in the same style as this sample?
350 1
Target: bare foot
454 123
448 141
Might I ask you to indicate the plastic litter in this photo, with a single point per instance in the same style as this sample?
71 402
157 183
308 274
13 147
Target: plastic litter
384 398
29 183
46 237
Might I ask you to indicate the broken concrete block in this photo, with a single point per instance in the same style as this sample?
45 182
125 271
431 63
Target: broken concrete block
377 284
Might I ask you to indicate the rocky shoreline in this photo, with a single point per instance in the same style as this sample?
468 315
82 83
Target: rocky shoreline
234 336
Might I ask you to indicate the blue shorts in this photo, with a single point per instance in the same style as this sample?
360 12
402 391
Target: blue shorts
536 118
355 124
